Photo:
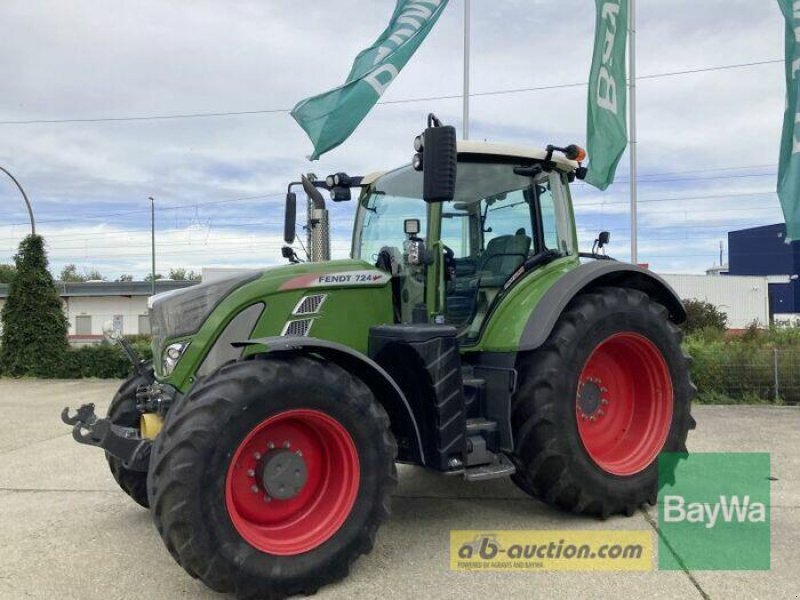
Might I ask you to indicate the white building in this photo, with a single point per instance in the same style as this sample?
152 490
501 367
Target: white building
744 299
88 305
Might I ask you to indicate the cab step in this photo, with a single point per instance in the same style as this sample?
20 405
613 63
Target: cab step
501 467
481 425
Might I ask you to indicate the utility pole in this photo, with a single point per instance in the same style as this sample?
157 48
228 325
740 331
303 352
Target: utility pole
465 126
632 128
24 197
153 241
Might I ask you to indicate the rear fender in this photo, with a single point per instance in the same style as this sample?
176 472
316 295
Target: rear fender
590 276
387 393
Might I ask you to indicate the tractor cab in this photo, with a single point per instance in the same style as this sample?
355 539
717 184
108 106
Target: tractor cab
451 260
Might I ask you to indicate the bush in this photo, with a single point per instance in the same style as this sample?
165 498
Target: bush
104 361
34 338
741 369
702 315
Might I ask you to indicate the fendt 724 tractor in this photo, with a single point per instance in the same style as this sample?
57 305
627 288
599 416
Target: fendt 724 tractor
465 334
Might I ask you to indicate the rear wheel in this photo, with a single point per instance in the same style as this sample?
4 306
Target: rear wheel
273 476
598 402
122 411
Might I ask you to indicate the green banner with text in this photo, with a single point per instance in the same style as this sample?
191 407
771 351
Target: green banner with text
329 118
789 165
607 126
714 511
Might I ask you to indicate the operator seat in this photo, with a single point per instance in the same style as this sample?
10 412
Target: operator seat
503 254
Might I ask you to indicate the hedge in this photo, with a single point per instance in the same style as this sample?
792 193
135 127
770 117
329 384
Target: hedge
104 360
741 369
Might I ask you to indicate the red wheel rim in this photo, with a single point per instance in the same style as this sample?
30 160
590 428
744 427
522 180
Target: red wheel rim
322 501
624 403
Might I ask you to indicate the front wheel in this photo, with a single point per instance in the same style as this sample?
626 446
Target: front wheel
599 401
122 411
273 476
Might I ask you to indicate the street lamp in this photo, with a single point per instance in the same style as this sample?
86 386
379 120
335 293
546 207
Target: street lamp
153 240
25 197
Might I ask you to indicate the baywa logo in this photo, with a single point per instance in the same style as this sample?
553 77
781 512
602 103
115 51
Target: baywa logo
714 511
729 509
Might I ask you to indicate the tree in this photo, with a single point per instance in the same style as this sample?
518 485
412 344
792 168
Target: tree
34 340
93 275
71 274
150 277
125 278
703 315
7 273
182 274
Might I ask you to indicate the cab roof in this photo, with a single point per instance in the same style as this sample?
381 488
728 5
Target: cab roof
498 149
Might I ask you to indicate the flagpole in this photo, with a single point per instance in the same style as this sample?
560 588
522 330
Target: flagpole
632 128
465 126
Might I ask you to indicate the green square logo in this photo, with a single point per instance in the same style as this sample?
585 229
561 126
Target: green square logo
714 511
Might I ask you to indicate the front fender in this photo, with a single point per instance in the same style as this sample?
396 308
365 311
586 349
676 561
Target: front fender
387 393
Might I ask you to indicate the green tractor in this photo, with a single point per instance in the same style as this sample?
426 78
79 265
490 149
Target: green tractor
466 334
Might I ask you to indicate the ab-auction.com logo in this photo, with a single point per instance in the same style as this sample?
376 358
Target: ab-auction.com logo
565 550
714 511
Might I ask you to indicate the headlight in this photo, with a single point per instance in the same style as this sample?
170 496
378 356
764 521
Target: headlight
172 354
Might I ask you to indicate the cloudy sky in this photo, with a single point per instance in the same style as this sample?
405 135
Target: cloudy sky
708 140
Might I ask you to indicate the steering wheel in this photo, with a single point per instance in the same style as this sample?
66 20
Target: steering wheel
388 260
449 263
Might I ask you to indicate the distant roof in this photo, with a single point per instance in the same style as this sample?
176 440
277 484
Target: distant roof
111 288
776 227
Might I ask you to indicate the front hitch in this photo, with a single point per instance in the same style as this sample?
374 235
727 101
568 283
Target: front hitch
124 443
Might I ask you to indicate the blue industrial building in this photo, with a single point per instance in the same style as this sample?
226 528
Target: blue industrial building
764 251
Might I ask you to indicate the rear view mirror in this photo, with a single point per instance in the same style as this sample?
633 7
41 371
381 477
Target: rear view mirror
290 218
437 158
603 239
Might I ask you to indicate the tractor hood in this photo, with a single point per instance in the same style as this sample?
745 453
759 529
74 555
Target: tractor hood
336 300
182 312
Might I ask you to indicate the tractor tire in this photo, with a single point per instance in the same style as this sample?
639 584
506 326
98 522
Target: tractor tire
221 480
607 392
122 411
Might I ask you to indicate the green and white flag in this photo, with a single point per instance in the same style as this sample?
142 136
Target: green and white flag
789 166
607 126
332 116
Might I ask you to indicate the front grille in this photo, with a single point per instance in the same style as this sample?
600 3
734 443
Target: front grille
300 327
158 334
309 304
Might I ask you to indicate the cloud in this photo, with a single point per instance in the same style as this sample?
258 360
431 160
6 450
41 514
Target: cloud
90 181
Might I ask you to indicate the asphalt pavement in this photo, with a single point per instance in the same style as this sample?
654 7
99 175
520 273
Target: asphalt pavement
67 531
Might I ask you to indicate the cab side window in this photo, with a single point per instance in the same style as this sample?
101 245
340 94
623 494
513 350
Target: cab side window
549 219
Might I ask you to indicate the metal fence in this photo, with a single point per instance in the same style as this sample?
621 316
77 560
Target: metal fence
748 374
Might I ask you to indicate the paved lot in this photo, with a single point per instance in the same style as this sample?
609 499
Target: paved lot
66 531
